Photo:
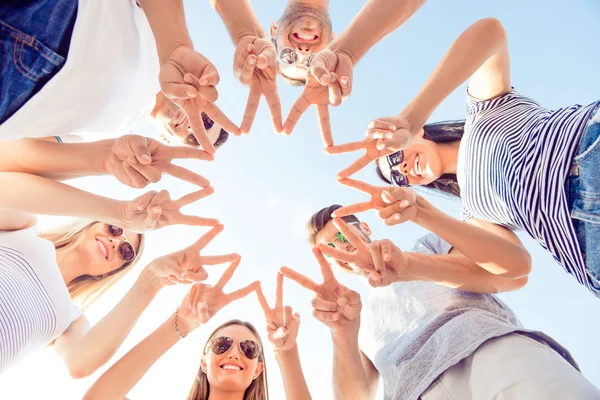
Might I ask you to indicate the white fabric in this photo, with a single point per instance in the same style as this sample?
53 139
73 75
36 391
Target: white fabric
512 367
35 305
109 78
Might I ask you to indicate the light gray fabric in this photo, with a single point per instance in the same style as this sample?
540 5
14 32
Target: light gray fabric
412 332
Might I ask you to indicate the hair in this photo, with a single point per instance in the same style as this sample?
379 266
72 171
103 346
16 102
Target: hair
85 289
258 389
319 219
223 136
439 132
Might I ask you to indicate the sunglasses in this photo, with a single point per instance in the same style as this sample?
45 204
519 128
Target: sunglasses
340 237
125 250
397 178
288 57
222 344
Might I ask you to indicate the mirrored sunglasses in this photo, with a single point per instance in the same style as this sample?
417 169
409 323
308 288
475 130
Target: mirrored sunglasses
125 250
288 57
222 344
397 178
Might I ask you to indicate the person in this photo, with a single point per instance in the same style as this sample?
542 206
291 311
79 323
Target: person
425 340
514 164
233 363
48 66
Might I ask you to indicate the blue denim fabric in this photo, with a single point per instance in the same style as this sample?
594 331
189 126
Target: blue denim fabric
584 198
34 42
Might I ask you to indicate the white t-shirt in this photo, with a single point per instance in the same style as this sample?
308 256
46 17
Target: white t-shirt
35 305
109 78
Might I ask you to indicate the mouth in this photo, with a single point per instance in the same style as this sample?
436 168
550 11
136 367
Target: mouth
231 367
305 37
417 167
102 249
181 120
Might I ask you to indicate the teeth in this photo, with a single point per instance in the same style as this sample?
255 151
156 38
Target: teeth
231 367
306 37
103 249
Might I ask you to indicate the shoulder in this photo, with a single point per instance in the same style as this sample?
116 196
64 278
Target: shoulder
431 244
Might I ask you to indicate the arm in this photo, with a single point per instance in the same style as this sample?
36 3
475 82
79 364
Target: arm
239 18
291 372
11 220
376 20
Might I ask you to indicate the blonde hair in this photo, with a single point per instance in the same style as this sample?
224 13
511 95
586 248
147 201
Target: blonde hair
258 389
85 289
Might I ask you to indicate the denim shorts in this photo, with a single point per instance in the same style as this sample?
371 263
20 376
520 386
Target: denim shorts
584 198
34 41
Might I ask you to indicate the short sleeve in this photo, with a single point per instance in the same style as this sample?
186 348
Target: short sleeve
475 105
465 214
69 139
432 244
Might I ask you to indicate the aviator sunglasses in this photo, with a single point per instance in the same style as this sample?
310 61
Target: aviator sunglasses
125 250
340 237
397 178
289 57
222 344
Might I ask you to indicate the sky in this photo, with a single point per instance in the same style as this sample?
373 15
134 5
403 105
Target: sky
268 185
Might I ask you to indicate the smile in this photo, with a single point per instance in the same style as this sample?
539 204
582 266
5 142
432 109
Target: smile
305 38
181 120
231 367
103 249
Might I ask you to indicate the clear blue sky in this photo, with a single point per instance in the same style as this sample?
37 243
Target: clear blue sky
268 185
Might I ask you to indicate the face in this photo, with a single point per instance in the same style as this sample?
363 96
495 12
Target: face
330 235
100 250
422 162
306 30
175 126
232 371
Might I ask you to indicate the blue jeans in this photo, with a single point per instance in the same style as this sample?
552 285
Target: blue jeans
584 199
34 42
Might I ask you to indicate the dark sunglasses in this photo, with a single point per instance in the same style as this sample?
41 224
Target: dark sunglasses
222 344
289 57
397 178
340 237
207 121
125 249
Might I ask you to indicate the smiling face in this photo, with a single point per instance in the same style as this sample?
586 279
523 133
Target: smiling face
232 371
329 235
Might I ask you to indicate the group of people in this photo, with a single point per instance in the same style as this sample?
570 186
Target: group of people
432 327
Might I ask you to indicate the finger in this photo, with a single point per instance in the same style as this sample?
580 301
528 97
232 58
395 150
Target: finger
194 196
208 93
198 304
346 85
352 235
319 71
240 59
187 175
139 145
197 126
396 194
206 238
190 152
150 173
274 104
324 305
300 279
228 274
136 180
221 259
195 276
325 316
326 271
210 77
378 133
337 254
386 249
262 300
142 202
335 93
280 333
378 262
191 295
396 219
325 124
299 107
220 118
248 69
287 316
390 210
346 147
279 291
153 214
243 292
358 185
250 113
178 90
194 220
383 123
353 209
354 167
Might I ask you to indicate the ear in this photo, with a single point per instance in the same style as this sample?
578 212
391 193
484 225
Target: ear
259 369
365 228
332 36
274 26
421 133
203 365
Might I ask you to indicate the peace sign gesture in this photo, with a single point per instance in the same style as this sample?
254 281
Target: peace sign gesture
360 254
156 210
187 265
394 205
372 153
204 301
335 305
282 323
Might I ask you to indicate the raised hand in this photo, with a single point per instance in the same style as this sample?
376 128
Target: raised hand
187 265
204 301
360 256
190 80
391 264
136 161
255 65
155 210
335 305
394 205
282 322
328 61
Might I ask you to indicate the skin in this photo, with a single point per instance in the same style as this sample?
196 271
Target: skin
329 235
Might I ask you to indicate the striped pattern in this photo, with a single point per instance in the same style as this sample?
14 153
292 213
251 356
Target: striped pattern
27 316
513 162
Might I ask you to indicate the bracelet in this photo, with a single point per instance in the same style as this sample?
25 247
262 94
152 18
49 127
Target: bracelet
177 326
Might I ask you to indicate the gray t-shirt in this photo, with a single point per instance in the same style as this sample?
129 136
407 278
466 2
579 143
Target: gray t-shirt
413 331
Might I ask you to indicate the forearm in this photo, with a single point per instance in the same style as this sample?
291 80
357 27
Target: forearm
467 54
39 195
167 21
490 251
349 378
101 342
239 18
292 374
119 379
376 20
54 160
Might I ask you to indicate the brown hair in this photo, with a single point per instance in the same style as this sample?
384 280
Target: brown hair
258 389
319 219
85 289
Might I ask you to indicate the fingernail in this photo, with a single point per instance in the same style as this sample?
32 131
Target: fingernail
374 277
392 127
203 81
190 92
146 157
340 309
249 47
296 316
156 210
344 80
388 135
252 61
386 257
403 203
182 275
201 304
396 217
140 207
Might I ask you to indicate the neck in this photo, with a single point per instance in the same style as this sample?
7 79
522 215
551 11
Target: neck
69 263
317 3
449 155
218 394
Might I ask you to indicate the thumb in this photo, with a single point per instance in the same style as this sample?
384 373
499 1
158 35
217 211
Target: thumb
320 71
139 145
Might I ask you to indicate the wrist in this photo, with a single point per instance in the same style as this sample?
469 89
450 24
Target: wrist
182 326
415 116
341 49
424 211
284 353
147 282
347 334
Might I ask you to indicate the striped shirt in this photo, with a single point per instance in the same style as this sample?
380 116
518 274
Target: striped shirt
512 166
35 305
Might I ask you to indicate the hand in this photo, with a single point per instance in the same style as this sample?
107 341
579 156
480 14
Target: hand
187 265
335 305
156 210
329 61
361 256
282 323
394 205
189 79
391 264
255 66
204 301
136 161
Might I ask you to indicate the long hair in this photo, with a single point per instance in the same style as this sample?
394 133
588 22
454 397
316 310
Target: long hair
258 389
439 132
85 289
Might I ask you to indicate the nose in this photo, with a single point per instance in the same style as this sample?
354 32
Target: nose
116 241
404 169
303 51
234 353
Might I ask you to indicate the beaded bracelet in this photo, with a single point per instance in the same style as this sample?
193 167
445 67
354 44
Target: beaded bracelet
177 326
